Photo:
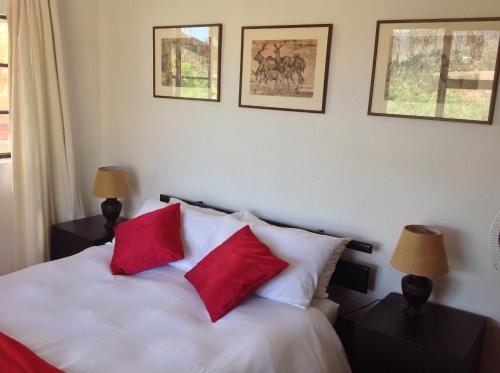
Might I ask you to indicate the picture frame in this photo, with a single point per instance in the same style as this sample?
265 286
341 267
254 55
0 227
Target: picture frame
285 67
187 61
436 69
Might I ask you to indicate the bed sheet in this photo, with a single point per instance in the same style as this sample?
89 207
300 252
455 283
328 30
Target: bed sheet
77 316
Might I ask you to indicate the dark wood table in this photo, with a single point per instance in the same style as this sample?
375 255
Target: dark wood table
442 340
71 237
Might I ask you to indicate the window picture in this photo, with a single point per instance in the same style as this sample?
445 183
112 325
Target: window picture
187 61
436 69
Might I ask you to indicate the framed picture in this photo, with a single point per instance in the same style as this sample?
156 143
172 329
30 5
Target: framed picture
444 69
285 67
187 61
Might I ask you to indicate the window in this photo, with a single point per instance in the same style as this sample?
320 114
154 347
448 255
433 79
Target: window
5 133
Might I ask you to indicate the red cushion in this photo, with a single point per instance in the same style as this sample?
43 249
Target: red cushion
17 358
233 271
148 241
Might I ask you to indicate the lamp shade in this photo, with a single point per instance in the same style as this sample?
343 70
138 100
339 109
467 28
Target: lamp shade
110 183
420 252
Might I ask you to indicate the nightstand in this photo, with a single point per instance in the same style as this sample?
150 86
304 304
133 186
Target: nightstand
442 340
350 301
71 237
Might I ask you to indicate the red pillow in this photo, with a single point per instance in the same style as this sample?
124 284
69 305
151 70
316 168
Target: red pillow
233 271
15 357
148 241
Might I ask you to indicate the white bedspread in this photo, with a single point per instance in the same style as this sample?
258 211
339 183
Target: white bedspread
80 318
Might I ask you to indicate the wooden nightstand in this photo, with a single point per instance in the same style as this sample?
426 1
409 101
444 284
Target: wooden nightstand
442 340
350 301
71 237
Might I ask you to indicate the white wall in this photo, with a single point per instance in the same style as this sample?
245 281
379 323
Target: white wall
80 22
344 171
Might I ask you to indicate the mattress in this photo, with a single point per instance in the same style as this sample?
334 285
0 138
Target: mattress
327 307
77 316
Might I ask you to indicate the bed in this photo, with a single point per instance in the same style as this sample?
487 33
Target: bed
77 316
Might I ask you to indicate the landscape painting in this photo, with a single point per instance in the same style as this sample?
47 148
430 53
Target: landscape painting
285 67
187 62
445 69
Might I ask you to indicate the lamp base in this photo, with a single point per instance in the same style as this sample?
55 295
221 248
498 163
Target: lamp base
111 209
416 290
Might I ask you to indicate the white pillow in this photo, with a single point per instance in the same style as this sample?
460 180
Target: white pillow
326 275
205 210
149 205
247 217
198 226
307 254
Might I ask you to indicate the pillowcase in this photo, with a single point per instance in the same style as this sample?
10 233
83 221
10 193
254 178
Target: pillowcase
205 210
247 217
149 205
197 229
198 225
306 252
150 240
233 271
152 204
326 275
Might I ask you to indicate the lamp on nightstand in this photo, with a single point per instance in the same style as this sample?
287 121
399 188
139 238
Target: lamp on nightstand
110 183
419 253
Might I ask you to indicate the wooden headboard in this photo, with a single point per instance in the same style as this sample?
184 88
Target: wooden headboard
347 274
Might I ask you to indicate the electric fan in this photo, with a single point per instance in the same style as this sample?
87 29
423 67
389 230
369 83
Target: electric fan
495 242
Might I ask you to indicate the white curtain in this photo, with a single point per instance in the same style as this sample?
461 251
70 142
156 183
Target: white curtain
42 153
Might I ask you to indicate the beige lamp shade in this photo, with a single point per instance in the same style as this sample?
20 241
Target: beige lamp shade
110 183
420 252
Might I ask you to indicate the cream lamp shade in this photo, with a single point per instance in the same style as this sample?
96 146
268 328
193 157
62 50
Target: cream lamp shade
110 183
420 252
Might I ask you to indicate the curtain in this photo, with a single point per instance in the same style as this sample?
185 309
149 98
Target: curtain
43 169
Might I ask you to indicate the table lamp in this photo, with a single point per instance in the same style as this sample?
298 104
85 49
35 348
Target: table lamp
110 183
419 253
